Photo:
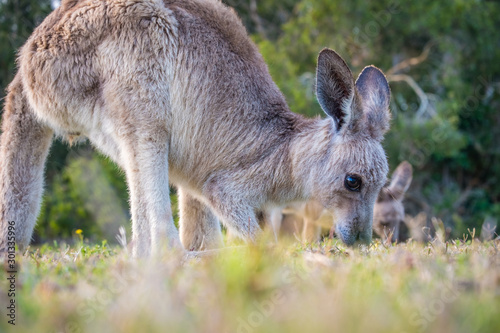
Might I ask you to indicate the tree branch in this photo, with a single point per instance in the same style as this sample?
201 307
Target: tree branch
411 61
424 101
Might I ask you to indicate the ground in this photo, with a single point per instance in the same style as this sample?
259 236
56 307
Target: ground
288 287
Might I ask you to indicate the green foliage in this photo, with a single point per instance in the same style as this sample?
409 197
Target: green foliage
89 194
266 17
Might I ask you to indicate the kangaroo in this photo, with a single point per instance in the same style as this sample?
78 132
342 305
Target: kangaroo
175 92
388 215
389 211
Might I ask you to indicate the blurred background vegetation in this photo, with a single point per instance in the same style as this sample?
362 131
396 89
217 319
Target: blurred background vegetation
443 63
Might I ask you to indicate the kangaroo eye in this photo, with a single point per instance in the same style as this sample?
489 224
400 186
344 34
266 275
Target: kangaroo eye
352 183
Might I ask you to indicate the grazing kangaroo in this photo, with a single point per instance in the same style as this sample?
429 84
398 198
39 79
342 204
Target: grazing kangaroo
389 211
176 92
311 217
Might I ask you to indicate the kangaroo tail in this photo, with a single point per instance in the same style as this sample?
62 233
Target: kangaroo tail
24 145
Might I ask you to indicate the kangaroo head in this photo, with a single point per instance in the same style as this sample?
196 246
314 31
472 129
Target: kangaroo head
355 165
389 211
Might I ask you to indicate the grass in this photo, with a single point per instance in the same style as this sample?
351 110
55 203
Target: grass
289 287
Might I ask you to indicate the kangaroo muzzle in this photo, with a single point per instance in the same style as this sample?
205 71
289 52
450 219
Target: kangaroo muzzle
354 232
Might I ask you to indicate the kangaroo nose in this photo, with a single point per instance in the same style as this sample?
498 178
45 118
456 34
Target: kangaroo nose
353 233
356 237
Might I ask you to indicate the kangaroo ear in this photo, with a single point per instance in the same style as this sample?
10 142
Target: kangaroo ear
401 180
375 94
334 87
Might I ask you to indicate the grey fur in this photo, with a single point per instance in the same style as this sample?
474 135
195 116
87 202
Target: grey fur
176 92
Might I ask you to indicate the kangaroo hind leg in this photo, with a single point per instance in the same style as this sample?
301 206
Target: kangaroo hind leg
24 145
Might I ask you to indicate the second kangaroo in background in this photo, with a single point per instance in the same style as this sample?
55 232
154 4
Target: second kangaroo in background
308 219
